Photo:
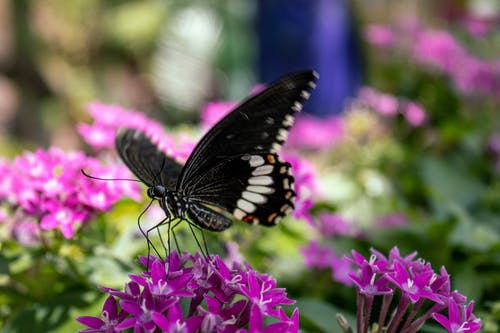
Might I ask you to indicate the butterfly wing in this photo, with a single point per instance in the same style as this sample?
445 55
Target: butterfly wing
145 159
235 166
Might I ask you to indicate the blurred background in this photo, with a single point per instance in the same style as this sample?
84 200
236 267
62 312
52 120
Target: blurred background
406 152
167 58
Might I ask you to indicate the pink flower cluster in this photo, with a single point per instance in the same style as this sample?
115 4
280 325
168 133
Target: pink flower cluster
424 294
305 186
469 73
390 106
108 118
190 293
318 256
47 187
440 50
310 132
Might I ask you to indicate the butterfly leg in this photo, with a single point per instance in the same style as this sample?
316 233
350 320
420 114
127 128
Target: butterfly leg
204 250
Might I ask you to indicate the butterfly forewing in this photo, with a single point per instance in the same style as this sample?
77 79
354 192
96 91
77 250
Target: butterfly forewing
235 166
258 126
146 160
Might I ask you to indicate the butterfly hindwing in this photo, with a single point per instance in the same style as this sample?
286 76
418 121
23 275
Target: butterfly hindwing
257 126
145 159
253 188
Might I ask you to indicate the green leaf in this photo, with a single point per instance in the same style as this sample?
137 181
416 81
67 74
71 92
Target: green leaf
320 316
449 184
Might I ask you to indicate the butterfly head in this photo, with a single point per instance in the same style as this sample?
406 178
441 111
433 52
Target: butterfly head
157 192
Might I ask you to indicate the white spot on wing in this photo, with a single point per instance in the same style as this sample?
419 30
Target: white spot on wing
260 180
256 160
263 170
305 94
288 121
275 147
260 189
254 197
246 206
239 214
297 107
282 134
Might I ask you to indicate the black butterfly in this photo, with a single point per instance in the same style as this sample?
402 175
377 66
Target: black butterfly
234 169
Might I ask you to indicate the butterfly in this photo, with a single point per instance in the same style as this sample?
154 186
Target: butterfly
234 170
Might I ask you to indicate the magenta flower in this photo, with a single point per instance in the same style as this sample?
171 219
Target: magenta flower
110 318
220 298
305 186
108 118
336 225
470 74
379 35
460 318
214 111
390 106
310 132
47 187
392 220
414 114
319 256
420 288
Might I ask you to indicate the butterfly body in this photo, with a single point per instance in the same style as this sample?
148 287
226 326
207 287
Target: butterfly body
234 170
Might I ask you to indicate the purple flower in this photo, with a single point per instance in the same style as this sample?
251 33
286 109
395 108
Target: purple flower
392 220
439 49
336 225
326 257
420 288
310 132
305 186
48 187
379 35
389 106
414 114
220 298
460 318
110 315
214 111
108 118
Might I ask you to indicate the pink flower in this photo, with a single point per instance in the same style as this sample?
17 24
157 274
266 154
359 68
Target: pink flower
48 187
107 120
414 114
335 225
310 132
384 104
212 112
379 35
305 186
438 48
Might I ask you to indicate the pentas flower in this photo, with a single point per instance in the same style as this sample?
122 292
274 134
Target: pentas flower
440 50
424 294
46 190
310 132
219 298
379 35
319 256
214 111
109 118
305 186
390 106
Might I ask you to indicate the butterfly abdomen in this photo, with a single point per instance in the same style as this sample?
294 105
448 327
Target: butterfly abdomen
207 218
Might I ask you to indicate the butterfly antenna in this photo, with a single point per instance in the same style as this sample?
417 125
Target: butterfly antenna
99 178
